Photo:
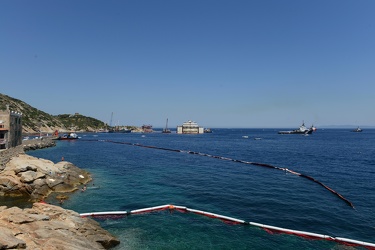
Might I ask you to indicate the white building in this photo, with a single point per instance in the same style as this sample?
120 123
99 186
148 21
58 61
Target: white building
190 127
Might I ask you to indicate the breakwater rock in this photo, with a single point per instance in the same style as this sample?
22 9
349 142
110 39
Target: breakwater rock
46 226
39 143
33 144
36 178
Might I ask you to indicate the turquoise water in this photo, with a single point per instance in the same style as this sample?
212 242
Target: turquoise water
132 177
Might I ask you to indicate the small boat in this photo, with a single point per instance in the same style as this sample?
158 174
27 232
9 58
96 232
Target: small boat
207 130
357 130
124 130
120 130
69 136
301 130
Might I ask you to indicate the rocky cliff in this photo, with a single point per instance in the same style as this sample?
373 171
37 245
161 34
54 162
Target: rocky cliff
48 227
35 120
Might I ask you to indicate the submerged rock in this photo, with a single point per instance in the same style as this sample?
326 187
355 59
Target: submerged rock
46 226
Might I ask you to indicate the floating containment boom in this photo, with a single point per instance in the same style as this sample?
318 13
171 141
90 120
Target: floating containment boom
231 220
239 161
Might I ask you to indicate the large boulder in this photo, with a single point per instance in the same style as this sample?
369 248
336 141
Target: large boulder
46 226
36 178
30 176
9 241
24 168
10 185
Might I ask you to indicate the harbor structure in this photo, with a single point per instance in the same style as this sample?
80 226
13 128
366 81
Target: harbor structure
190 127
10 128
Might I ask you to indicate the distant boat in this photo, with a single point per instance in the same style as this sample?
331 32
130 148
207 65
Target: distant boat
166 130
189 127
301 130
124 130
68 136
207 130
120 130
357 130
117 129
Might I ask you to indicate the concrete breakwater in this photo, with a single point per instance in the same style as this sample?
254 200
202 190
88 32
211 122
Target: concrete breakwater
33 144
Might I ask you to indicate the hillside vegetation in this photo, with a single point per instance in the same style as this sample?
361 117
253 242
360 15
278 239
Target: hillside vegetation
35 120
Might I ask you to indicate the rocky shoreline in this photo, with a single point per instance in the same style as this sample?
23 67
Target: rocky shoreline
36 178
49 227
39 143
44 226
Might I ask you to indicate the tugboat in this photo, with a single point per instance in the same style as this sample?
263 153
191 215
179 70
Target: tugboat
119 129
301 130
357 130
69 136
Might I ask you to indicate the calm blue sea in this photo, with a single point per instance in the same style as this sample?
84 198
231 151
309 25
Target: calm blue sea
132 177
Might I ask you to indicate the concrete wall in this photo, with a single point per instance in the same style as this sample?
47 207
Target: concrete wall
15 129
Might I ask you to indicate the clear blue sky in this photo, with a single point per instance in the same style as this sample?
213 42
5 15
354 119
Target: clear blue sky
265 63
